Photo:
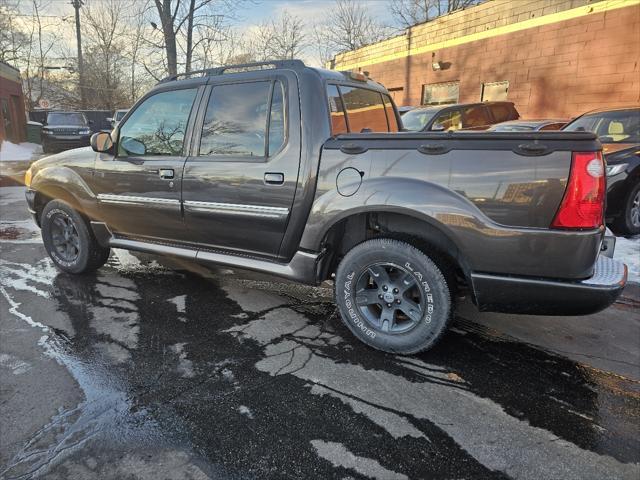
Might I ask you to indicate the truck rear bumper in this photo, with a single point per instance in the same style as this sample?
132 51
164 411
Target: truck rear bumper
494 293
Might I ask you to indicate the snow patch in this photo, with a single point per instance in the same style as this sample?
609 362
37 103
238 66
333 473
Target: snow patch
244 410
628 251
17 366
339 456
18 151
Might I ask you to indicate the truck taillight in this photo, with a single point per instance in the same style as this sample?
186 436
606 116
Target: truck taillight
583 202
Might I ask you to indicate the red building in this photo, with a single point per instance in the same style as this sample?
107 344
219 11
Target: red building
552 58
13 119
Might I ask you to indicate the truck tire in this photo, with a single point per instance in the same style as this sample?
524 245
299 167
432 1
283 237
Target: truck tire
628 223
392 296
69 241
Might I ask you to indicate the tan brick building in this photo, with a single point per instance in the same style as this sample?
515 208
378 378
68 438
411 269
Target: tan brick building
552 58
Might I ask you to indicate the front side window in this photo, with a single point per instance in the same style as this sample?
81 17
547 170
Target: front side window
158 125
448 121
622 126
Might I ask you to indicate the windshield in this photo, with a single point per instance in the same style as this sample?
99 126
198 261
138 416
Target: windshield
415 120
622 126
66 119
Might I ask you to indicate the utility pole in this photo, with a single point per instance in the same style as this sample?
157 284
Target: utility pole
76 5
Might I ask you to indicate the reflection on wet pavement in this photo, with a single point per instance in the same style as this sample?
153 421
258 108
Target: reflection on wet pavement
224 375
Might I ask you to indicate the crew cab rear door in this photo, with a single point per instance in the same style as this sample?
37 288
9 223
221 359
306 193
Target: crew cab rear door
240 179
138 189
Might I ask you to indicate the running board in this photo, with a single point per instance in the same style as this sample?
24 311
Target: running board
302 267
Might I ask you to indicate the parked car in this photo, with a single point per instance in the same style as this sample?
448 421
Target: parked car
291 170
619 133
527 126
65 130
460 116
118 115
405 109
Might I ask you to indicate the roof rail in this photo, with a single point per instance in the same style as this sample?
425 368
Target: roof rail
266 65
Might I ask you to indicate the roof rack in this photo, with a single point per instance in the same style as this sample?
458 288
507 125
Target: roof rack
267 65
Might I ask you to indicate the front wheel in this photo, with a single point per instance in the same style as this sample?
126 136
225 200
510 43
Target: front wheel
392 296
69 241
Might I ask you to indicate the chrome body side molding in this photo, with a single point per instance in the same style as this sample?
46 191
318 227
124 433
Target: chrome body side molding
135 200
236 209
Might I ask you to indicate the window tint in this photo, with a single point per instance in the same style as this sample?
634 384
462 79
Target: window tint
391 116
622 126
236 120
553 126
66 119
364 109
475 116
336 110
276 120
157 127
501 112
415 120
449 121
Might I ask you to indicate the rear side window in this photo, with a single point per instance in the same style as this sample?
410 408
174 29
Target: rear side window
502 112
236 120
364 110
475 116
336 111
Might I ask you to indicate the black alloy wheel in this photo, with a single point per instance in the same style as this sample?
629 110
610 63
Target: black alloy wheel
389 298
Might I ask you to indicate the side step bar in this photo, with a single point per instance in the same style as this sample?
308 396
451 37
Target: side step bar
302 267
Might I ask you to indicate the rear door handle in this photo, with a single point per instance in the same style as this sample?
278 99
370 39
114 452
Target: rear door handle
166 173
433 148
352 148
271 178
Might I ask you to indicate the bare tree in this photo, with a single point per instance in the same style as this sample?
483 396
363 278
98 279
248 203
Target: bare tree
181 19
281 38
13 42
348 26
412 12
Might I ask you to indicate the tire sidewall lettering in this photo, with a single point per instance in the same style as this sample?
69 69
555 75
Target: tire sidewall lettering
351 310
52 251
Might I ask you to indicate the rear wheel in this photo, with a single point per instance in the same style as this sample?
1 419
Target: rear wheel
69 241
392 296
628 223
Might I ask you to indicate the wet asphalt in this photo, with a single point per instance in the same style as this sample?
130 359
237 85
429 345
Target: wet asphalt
153 369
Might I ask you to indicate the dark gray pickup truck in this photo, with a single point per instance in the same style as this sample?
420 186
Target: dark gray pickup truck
302 173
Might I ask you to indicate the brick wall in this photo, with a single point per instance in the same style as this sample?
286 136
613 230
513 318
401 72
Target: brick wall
560 57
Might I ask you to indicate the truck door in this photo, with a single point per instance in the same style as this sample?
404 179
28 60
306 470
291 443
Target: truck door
240 180
138 189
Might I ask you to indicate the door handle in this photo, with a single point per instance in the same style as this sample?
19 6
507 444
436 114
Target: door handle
271 178
352 148
166 173
433 148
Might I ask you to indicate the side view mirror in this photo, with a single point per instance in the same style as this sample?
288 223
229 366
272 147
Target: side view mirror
133 146
101 142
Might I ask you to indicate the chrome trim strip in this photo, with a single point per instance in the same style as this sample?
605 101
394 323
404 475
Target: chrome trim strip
134 200
237 209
